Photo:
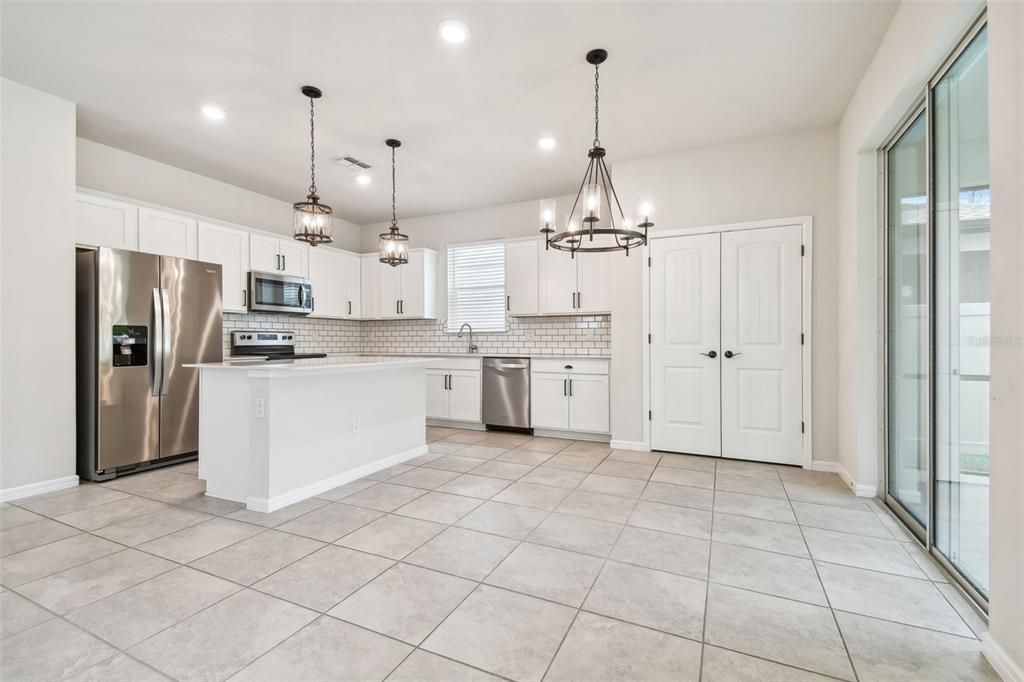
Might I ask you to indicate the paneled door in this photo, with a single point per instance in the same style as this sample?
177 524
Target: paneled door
685 345
761 337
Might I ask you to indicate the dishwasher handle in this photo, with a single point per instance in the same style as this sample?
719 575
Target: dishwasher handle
507 363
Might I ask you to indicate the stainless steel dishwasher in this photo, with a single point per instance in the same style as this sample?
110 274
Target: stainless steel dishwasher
507 392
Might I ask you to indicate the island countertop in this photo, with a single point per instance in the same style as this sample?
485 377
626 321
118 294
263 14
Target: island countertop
332 364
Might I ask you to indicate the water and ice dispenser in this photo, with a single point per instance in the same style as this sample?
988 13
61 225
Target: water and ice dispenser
131 345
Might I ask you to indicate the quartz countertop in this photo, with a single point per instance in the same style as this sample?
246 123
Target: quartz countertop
479 356
335 363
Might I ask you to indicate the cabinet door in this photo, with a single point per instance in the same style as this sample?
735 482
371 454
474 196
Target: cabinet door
549 401
369 286
465 395
327 276
558 281
522 276
229 248
263 253
437 393
588 403
353 285
593 275
390 289
105 222
412 285
167 234
294 257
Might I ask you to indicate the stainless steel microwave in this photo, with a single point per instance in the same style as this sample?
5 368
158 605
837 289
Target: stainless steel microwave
275 293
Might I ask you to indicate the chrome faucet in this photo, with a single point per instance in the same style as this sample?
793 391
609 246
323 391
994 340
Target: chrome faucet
472 346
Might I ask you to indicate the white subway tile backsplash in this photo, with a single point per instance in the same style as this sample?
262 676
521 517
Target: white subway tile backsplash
585 335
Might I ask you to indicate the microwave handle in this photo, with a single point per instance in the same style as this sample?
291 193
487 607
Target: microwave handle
302 296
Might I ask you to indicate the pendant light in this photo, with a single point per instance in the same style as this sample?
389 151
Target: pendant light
596 190
394 246
312 221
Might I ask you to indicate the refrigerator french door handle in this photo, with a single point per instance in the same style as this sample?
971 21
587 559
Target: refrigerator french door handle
165 341
156 355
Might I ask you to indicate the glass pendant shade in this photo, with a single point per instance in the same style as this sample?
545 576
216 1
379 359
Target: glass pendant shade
645 209
393 248
547 215
312 221
592 203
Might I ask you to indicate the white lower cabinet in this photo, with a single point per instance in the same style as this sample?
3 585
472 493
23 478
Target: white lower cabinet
453 390
570 395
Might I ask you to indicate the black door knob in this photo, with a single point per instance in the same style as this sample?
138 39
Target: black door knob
730 354
710 354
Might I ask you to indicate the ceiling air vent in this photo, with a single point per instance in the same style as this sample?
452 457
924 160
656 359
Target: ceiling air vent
352 162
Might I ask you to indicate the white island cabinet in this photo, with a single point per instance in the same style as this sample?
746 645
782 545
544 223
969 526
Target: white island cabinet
274 433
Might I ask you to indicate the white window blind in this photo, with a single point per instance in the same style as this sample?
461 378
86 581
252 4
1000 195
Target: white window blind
476 286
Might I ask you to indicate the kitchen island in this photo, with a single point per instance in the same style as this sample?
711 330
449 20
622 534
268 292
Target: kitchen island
272 433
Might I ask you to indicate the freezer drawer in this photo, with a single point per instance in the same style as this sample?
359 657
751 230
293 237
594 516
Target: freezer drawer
506 392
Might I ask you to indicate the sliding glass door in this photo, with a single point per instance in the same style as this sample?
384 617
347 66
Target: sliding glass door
961 214
908 347
937 316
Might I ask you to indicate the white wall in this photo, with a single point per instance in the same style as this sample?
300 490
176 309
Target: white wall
920 36
774 177
37 340
1006 503
112 170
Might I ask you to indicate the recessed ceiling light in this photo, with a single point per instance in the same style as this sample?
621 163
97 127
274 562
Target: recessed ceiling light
213 113
546 143
363 179
453 31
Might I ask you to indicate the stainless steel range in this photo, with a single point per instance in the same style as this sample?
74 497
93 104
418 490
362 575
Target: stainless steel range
272 345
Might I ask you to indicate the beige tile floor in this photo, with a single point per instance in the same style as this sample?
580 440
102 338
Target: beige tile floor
493 556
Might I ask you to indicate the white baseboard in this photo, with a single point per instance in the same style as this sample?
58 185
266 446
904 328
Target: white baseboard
18 492
1000 660
455 424
571 435
858 489
637 445
263 504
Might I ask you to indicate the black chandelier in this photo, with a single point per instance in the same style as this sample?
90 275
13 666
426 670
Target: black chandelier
595 189
312 222
393 247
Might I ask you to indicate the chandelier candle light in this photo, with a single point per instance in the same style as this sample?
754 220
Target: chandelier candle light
596 190
394 246
312 221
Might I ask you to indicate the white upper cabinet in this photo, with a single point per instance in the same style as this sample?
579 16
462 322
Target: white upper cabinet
404 291
263 256
573 286
353 285
522 276
335 276
294 257
100 221
167 234
230 248
593 281
276 254
558 282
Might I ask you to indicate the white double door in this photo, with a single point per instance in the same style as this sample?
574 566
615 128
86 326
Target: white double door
726 356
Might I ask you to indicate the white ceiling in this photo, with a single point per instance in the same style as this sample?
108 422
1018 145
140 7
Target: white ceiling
679 75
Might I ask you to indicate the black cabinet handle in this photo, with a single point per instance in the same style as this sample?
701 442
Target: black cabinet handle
579 298
245 298
710 354
508 303
570 388
568 367
565 387
730 354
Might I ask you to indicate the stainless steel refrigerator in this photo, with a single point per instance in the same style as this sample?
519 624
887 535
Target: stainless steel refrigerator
140 317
